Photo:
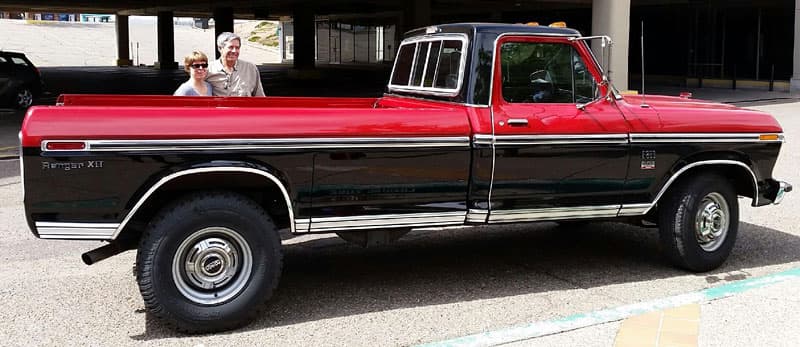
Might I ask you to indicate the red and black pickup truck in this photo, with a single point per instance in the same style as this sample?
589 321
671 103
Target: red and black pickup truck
481 124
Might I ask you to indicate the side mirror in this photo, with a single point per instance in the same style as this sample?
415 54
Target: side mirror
582 106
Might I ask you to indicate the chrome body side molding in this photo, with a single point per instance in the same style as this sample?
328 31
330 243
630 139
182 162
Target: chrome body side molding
268 144
175 175
701 163
545 214
477 216
330 224
76 231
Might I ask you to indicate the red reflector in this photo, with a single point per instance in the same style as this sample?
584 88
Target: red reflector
65 146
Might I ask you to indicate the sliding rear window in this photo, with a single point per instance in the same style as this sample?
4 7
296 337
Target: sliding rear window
430 65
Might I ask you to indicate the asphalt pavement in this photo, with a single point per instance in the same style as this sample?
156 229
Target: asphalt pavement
535 285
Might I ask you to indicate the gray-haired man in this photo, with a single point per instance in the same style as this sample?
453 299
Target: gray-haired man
230 76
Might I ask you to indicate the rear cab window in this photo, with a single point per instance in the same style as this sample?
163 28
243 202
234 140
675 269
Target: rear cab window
430 65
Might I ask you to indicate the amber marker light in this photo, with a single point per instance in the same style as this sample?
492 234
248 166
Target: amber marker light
558 25
768 137
532 24
65 146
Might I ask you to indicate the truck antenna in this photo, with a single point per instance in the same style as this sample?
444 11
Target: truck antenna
644 104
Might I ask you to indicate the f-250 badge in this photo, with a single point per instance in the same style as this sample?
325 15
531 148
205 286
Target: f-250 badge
648 160
89 164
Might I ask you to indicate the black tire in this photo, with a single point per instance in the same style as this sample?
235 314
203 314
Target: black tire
23 98
697 209
214 232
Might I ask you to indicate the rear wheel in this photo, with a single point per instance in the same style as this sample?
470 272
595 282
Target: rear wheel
23 98
698 223
209 262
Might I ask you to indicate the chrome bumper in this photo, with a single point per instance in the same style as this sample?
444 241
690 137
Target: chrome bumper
783 188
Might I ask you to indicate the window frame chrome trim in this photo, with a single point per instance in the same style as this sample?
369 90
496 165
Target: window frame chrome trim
202 170
432 90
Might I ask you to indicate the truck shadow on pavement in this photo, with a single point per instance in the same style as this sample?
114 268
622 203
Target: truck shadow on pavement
328 278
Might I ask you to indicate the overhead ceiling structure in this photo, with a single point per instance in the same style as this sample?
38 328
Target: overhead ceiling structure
275 9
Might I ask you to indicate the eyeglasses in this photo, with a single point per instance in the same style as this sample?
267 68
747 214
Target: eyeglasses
198 66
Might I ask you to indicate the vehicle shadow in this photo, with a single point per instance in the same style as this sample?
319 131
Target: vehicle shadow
327 278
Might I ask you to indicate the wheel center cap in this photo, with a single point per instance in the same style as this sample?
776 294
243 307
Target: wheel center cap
212 265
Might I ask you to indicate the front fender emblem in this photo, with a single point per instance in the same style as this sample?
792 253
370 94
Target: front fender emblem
648 160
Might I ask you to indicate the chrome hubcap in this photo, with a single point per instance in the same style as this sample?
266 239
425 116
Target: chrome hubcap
712 221
212 265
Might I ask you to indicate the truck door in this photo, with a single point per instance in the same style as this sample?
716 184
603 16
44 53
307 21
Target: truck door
553 160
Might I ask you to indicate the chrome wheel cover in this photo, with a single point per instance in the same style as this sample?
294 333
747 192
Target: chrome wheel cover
712 221
24 98
212 265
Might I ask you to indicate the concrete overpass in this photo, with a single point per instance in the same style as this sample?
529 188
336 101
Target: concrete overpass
702 30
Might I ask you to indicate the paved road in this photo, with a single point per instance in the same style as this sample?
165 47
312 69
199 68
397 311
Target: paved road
431 286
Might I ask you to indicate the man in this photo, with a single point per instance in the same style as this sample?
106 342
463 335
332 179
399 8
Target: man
230 76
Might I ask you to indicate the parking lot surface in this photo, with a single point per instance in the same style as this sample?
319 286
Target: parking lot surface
434 285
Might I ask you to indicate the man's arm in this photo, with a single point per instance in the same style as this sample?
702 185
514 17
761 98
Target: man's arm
259 91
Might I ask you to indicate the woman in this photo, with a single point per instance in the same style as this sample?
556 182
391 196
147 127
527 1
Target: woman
196 64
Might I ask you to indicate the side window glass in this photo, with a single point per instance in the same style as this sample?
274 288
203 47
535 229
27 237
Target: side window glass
585 86
538 72
19 61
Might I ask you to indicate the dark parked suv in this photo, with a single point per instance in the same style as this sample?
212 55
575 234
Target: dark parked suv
20 81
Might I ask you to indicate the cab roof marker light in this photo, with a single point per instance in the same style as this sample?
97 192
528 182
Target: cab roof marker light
432 30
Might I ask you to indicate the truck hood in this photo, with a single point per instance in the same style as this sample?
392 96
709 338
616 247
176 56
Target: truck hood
679 115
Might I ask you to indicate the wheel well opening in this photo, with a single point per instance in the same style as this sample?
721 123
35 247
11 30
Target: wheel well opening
262 190
739 177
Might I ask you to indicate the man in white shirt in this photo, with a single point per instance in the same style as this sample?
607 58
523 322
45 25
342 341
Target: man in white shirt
230 76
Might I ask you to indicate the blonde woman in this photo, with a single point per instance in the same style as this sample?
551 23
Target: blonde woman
196 64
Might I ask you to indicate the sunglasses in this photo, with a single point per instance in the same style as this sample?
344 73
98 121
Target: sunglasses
197 66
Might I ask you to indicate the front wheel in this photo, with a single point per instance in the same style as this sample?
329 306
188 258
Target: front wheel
209 262
698 223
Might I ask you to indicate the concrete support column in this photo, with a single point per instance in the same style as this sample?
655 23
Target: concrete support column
166 42
223 21
613 18
123 42
304 29
794 85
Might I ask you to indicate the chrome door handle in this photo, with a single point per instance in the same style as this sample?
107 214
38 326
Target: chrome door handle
517 122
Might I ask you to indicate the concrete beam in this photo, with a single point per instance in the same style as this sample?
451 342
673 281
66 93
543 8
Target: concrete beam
223 22
166 41
794 84
304 30
123 41
613 18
